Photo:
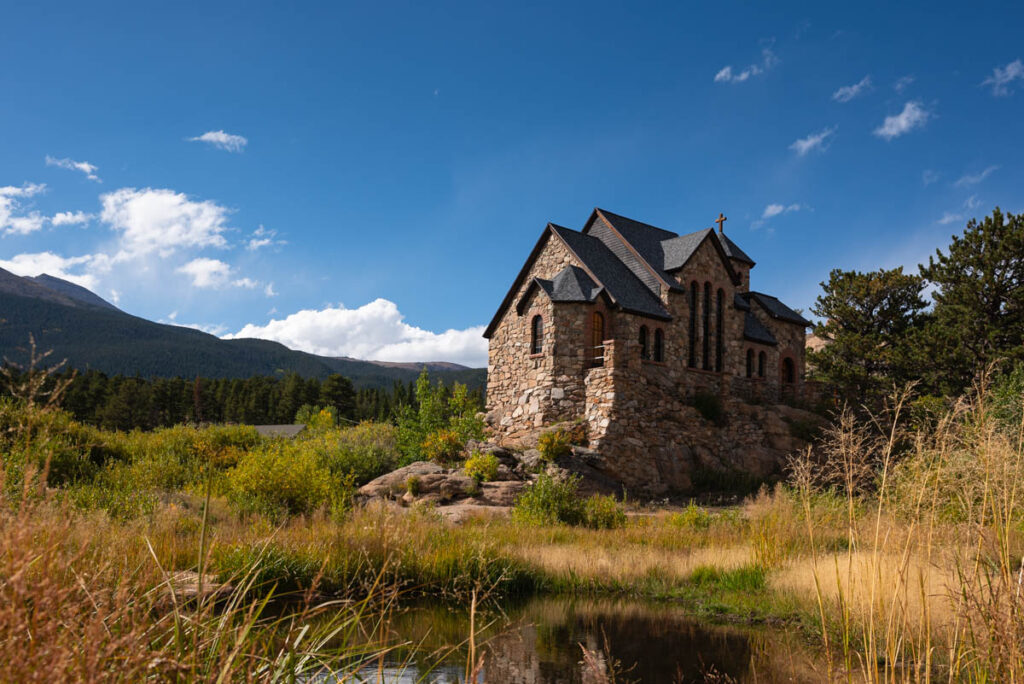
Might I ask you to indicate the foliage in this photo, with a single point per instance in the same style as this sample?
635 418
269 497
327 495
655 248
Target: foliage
440 424
481 467
709 405
979 301
603 512
280 479
692 517
413 485
870 320
549 500
553 445
316 418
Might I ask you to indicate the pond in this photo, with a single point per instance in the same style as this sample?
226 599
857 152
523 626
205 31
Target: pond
542 642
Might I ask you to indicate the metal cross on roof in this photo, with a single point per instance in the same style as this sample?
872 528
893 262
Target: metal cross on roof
720 220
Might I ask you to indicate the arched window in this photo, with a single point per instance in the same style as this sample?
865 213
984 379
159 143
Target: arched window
750 363
597 338
706 342
659 345
692 362
645 351
537 335
760 365
719 342
788 371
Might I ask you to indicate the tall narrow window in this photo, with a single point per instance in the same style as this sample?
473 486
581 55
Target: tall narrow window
537 335
659 345
760 365
693 325
706 342
750 363
719 341
788 371
645 351
597 338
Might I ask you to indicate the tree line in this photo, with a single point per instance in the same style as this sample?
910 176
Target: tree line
960 315
121 402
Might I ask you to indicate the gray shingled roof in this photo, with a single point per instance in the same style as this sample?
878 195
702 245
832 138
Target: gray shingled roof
679 249
647 240
572 284
285 431
619 282
732 250
740 303
756 331
777 309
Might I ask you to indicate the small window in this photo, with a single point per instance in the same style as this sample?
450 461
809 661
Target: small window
719 330
750 363
645 351
706 337
537 335
788 371
692 359
760 365
659 345
597 338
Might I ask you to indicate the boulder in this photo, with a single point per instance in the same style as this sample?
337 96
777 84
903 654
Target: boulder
433 482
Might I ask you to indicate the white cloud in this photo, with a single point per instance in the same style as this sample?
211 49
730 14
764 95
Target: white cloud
949 217
928 177
223 141
902 83
12 222
262 237
972 202
727 75
1001 79
847 93
214 274
913 116
968 179
773 210
71 165
70 218
269 290
815 141
160 220
375 331
81 270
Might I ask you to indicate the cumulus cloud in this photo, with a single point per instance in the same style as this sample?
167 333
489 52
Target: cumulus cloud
1001 78
773 210
950 217
12 220
71 165
847 93
913 116
222 141
159 220
728 75
81 270
269 290
968 179
815 141
214 274
375 331
70 218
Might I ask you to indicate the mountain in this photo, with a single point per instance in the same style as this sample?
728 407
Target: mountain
91 333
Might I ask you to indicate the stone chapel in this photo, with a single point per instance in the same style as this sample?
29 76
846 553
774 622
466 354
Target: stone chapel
621 324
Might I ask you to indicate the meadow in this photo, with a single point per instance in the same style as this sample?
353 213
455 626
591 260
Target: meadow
894 548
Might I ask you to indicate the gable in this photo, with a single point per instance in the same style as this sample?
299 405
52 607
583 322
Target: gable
706 263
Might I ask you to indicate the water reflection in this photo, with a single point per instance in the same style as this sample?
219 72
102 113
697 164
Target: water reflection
540 643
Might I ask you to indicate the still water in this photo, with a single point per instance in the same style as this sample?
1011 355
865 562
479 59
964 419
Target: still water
541 642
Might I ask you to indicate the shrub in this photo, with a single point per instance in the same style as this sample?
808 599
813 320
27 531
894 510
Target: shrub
316 418
367 450
548 501
281 479
482 467
413 484
442 446
692 517
710 406
603 512
553 444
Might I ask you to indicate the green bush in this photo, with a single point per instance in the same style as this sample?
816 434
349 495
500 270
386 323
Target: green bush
281 479
413 484
442 446
367 450
710 406
554 444
603 512
692 517
549 501
481 467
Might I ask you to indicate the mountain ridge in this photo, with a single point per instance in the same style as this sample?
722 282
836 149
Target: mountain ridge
91 333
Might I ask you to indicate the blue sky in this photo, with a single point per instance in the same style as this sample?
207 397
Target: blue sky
367 178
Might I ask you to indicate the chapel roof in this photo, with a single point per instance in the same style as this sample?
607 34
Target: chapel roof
775 308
